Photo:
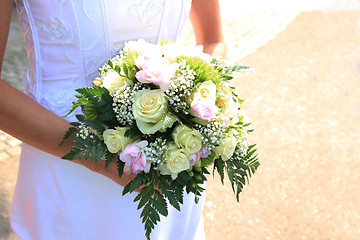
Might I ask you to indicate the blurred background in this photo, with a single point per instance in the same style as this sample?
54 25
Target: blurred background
304 102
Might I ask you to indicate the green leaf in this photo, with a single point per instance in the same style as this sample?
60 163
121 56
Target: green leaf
143 200
205 162
133 132
118 69
125 69
219 166
72 154
137 182
79 102
170 195
109 158
110 63
70 133
120 168
100 151
100 128
160 204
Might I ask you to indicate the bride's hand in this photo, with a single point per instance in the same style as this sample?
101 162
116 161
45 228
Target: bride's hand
110 172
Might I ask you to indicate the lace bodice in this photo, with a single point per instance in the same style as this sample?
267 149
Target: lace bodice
68 40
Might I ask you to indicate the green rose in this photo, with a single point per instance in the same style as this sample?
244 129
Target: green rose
150 111
115 139
176 161
187 138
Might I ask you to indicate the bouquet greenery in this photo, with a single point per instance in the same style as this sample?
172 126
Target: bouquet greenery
167 113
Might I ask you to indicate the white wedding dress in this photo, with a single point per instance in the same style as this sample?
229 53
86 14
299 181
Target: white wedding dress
67 40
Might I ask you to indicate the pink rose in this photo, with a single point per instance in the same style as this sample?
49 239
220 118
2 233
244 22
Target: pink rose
203 110
135 160
156 70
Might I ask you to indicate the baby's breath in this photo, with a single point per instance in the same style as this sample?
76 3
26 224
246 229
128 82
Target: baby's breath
242 137
181 87
155 151
213 133
85 132
122 103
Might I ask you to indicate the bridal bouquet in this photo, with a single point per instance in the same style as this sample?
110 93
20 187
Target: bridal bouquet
166 113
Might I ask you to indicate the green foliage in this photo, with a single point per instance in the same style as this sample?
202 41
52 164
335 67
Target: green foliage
94 149
120 167
130 70
81 100
240 170
156 189
133 132
228 72
96 104
205 162
109 158
99 105
204 71
70 133
219 165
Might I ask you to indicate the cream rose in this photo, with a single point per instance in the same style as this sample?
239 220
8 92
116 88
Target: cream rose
226 149
187 138
112 80
224 94
115 139
205 91
150 111
176 161
231 108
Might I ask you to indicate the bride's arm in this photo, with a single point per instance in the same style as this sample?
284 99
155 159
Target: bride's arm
206 22
33 124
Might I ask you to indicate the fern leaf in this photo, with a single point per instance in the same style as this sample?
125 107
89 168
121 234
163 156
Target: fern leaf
78 103
160 204
205 162
120 167
70 133
109 158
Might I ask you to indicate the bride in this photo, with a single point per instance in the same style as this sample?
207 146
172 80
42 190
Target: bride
67 40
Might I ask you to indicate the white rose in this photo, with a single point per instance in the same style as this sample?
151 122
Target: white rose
224 94
205 91
187 138
176 161
115 139
231 108
112 80
226 149
150 111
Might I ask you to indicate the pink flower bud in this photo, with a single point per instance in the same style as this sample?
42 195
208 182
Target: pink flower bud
135 160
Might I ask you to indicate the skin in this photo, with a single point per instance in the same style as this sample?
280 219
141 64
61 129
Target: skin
25 119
